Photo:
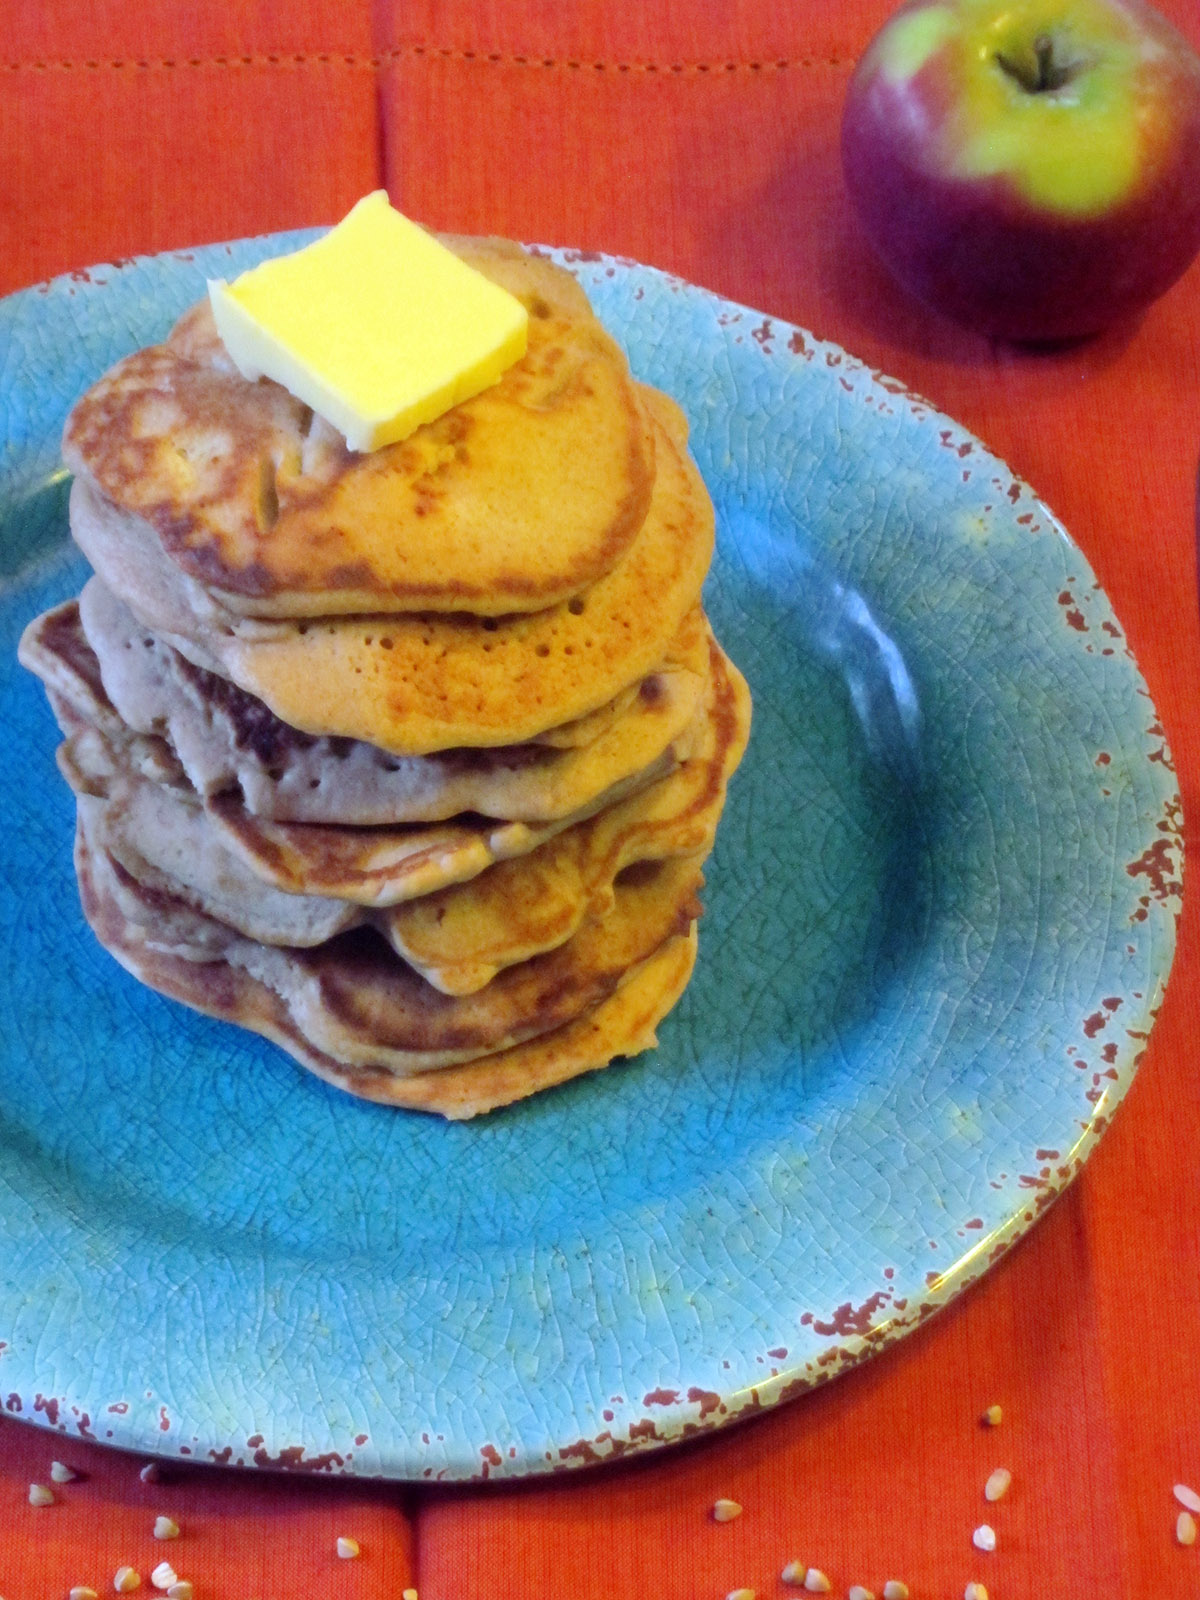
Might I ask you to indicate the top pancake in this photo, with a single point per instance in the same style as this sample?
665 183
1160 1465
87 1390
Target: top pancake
415 684
512 502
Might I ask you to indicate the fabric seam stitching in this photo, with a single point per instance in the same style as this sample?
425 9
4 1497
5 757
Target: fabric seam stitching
420 52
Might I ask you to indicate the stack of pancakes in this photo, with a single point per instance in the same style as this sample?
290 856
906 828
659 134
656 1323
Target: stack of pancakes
409 760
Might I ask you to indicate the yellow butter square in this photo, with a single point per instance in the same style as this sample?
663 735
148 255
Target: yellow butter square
376 325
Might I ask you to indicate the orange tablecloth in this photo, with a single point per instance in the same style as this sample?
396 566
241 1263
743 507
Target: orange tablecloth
701 138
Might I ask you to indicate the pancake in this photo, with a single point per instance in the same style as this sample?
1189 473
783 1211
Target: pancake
512 501
227 742
364 866
161 839
409 761
374 866
622 1024
354 999
459 937
416 684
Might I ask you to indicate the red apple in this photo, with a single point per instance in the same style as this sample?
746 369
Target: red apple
1029 167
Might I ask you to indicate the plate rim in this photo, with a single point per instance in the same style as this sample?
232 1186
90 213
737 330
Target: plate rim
669 1420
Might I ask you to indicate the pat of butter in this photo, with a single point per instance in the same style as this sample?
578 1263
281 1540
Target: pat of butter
376 325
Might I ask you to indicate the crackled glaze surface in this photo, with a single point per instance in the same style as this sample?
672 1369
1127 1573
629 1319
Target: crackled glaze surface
940 915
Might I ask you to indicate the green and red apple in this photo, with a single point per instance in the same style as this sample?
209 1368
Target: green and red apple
1028 167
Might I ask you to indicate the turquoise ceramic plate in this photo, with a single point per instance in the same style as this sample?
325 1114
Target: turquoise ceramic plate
940 914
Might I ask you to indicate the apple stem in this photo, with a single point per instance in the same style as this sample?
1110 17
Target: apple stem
1043 74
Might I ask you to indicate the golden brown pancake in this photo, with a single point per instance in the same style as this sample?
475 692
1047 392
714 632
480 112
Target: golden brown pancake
621 1024
409 761
512 501
412 685
162 839
458 937
135 687
418 683
384 867
357 1001
373 866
